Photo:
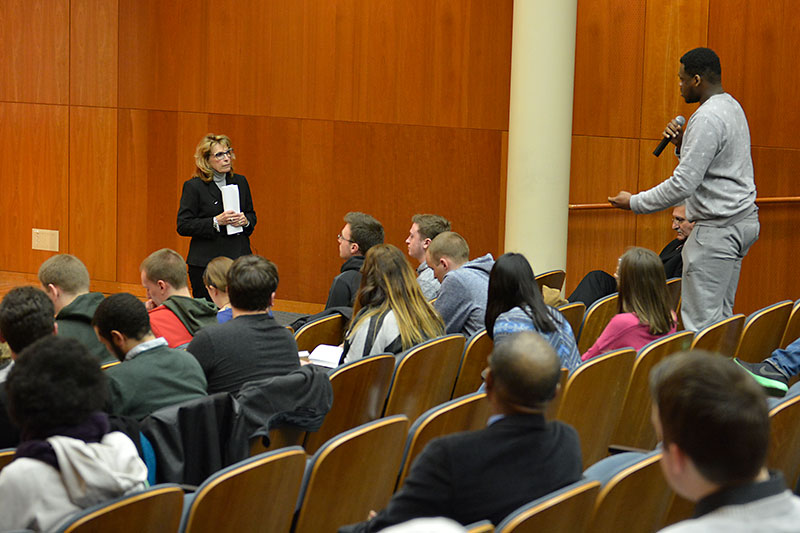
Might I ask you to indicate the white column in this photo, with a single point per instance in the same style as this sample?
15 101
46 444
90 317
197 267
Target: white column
540 131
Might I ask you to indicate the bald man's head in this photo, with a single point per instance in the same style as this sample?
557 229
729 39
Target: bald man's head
525 372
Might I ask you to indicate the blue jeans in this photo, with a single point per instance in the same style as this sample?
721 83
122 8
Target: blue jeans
787 360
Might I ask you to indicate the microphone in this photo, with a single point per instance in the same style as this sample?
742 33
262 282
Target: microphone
665 141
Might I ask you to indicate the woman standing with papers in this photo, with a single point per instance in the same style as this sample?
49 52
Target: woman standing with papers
216 209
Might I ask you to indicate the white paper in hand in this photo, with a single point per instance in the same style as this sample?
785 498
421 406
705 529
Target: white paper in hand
326 355
230 202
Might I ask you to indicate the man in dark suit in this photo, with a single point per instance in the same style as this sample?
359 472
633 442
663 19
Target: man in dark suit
519 457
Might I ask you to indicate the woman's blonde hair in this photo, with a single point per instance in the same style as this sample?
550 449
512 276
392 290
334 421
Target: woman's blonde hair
643 289
216 273
203 152
388 283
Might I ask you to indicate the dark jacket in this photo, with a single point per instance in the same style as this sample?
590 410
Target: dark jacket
194 313
672 258
345 285
75 322
485 474
200 203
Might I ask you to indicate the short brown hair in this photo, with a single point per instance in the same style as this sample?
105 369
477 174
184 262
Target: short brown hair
251 281
715 412
431 225
216 273
365 230
66 272
166 265
449 244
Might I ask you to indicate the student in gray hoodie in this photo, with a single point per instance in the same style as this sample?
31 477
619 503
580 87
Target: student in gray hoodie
465 284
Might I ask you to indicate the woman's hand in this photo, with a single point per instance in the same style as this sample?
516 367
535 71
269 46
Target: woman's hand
228 217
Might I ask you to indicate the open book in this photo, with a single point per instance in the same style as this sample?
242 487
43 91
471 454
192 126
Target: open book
324 355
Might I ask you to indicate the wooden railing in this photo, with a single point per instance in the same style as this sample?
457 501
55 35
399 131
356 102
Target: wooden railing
772 200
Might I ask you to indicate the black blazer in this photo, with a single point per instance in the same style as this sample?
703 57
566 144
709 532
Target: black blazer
484 474
200 203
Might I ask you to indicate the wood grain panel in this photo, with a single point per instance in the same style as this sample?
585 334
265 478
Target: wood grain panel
671 29
93 190
93 52
654 231
608 68
148 187
776 171
34 35
35 184
443 63
757 44
600 167
768 272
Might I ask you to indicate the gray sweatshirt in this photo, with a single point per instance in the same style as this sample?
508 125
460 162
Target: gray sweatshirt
462 298
715 173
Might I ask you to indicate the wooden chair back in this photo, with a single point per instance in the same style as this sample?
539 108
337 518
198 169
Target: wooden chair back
555 403
424 376
474 360
574 315
350 475
325 330
634 428
465 413
674 288
763 332
552 278
484 526
109 365
156 510
6 456
640 487
596 319
233 498
279 437
593 398
567 509
792 331
721 336
784 442
359 391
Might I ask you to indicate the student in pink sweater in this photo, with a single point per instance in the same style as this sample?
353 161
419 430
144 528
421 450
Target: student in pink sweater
644 305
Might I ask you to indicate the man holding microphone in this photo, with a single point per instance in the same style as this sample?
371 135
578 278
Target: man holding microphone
715 178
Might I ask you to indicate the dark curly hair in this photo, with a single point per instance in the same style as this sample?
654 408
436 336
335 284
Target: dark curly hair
123 312
54 383
26 314
703 62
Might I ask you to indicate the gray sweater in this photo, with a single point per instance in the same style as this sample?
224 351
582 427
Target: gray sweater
462 298
715 173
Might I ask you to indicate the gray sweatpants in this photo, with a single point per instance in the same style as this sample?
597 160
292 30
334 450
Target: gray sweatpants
712 260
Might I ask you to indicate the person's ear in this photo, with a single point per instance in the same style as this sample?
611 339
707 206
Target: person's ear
426 243
118 338
162 285
272 299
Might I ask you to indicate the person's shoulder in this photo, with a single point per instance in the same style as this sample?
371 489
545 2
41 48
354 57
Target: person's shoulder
624 320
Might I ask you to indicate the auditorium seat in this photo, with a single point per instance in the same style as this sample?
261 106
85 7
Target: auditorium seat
325 330
552 278
721 336
792 331
567 509
573 313
596 319
474 360
763 331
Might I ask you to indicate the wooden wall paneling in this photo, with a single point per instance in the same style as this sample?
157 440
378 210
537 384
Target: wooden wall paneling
167 53
35 187
93 52
757 44
608 68
93 190
600 167
671 29
377 63
147 187
776 171
769 269
34 35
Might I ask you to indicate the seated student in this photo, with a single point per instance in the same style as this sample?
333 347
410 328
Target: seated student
597 284
174 314
360 233
216 284
252 346
65 280
713 422
424 229
67 460
462 297
515 304
390 312
644 305
151 375
486 474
